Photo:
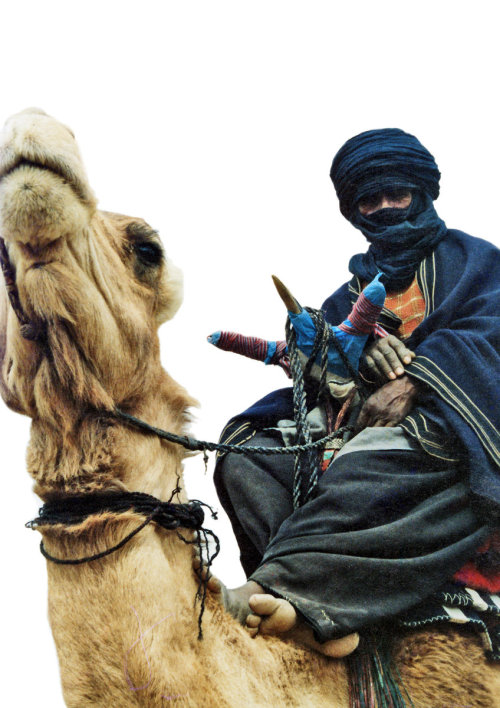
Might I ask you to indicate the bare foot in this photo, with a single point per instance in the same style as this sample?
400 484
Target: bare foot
261 613
275 615
235 600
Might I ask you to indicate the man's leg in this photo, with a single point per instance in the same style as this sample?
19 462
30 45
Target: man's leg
256 493
386 528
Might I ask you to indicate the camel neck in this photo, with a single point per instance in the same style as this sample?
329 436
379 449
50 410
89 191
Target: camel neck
104 454
110 618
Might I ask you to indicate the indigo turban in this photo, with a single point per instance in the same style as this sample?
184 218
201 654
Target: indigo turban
378 159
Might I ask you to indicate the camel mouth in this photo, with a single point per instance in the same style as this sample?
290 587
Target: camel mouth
55 166
22 162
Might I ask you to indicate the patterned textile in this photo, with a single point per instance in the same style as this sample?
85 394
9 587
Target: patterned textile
351 335
461 605
364 314
483 572
254 348
409 306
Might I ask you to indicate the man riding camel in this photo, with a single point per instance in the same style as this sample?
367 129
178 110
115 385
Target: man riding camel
405 505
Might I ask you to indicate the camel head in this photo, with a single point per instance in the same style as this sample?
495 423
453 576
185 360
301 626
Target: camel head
95 284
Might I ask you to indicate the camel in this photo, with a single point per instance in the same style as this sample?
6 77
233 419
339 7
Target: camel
95 286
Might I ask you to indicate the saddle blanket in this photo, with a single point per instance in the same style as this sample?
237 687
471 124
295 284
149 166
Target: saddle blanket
461 605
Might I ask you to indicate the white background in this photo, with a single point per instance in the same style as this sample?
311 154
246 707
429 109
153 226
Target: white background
217 122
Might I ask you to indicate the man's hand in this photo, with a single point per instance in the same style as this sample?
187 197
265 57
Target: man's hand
390 404
386 358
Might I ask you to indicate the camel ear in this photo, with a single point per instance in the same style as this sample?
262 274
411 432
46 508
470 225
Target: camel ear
171 292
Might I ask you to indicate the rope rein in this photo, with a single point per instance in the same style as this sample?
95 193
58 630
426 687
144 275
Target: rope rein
195 445
76 508
32 331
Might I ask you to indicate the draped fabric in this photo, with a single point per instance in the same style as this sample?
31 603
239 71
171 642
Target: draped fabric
458 357
387 527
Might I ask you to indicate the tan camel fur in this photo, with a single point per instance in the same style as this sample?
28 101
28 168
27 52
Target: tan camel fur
125 626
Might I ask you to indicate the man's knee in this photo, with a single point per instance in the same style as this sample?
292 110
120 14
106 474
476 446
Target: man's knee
227 477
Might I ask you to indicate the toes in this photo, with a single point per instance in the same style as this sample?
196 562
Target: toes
278 615
337 648
263 604
252 631
214 584
281 621
253 621
253 624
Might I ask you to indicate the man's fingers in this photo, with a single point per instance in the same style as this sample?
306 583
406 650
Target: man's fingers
392 357
383 361
371 366
387 357
404 354
389 405
375 364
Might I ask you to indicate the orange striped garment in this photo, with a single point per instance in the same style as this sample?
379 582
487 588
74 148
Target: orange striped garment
409 306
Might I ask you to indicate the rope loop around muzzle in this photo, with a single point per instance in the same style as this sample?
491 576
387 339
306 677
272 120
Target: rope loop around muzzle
29 330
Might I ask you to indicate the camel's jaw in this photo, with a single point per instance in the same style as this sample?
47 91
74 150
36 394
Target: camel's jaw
44 193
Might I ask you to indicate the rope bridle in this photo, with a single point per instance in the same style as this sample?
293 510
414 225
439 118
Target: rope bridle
76 508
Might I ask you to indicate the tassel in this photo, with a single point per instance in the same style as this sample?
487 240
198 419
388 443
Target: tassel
374 681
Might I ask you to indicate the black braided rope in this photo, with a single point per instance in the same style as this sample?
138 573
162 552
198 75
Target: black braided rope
306 451
307 466
321 346
71 510
195 445
29 330
95 556
306 470
299 412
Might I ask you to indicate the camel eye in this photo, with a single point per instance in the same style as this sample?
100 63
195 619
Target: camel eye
148 253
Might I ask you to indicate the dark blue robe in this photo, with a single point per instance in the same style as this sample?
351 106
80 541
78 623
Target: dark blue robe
458 357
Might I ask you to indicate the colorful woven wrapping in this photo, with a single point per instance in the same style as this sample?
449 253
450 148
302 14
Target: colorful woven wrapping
270 352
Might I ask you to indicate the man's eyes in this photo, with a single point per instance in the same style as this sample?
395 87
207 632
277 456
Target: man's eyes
396 194
390 194
371 201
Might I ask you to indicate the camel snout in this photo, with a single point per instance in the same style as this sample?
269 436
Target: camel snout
36 139
44 192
